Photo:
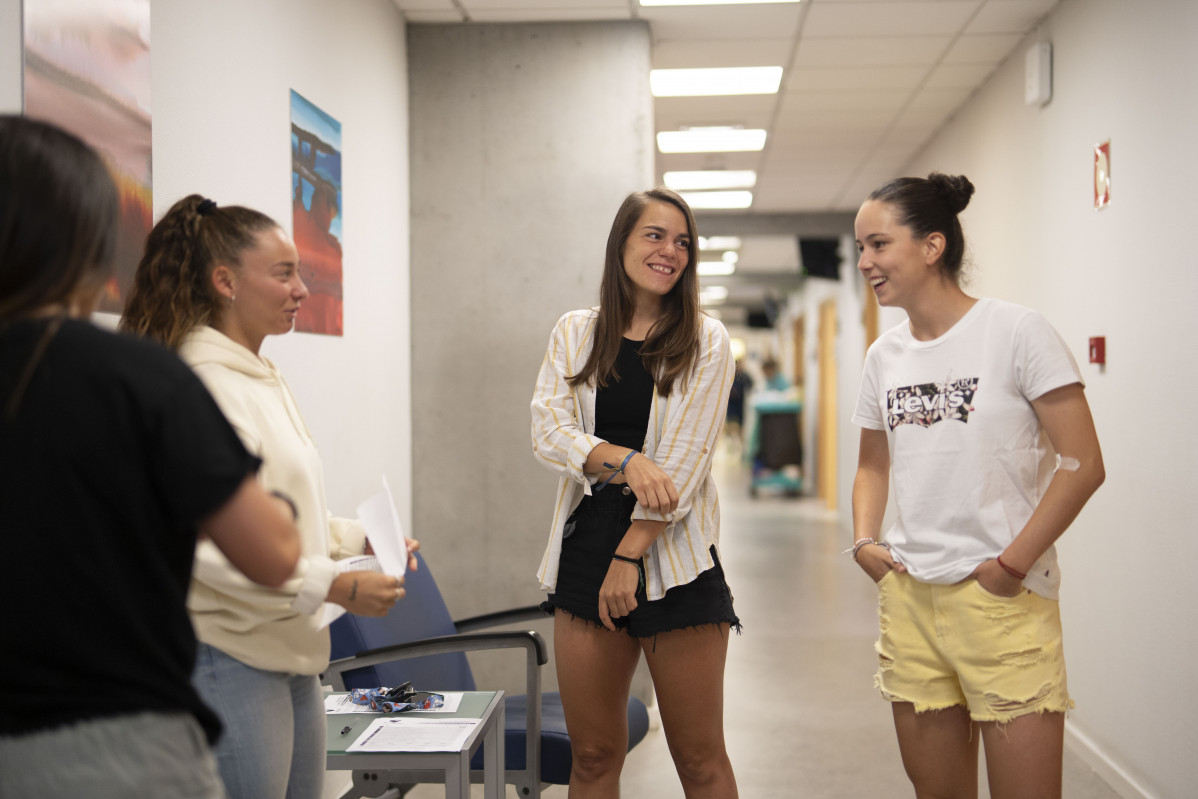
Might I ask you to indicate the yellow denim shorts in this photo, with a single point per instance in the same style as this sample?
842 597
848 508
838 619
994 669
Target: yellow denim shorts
945 645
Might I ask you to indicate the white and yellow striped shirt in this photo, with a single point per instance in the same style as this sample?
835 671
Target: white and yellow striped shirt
681 439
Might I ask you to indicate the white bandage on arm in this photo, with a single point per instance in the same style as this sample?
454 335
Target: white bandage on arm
1067 463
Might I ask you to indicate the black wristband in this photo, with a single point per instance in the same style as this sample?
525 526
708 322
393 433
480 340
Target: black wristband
290 503
640 568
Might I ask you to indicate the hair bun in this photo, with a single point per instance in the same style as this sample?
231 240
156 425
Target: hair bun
957 190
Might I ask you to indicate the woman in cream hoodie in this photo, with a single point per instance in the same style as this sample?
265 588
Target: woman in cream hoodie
213 283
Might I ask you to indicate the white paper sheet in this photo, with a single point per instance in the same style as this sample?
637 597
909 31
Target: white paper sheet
341 703
407 734
381 520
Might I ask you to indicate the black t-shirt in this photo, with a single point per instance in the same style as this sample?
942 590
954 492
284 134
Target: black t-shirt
622 406
116 453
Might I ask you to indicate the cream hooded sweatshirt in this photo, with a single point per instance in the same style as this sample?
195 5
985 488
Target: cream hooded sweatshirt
271 629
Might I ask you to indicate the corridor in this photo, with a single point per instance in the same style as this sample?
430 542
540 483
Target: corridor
802 716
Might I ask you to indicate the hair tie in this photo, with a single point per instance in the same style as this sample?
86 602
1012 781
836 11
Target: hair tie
206 207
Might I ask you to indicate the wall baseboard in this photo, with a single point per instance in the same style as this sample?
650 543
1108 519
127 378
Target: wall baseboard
1119 780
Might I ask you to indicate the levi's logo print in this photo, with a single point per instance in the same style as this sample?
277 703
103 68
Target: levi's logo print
928 403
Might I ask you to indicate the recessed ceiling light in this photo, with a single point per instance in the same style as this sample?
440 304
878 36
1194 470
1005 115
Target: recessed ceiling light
709 2
712 81
715 268
711 179
731 257
713 295
707 200
719 242
711 140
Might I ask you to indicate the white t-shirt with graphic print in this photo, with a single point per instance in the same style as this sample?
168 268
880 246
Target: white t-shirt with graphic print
967 463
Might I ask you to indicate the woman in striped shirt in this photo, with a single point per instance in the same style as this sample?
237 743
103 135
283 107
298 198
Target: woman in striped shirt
627 410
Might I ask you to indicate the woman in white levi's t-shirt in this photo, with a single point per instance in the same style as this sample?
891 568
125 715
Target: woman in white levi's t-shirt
952 405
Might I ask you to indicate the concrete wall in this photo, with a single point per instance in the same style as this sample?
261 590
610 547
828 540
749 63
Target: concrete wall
525 139
1121 71
222 128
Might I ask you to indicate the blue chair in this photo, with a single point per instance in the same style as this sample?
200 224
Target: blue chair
420 642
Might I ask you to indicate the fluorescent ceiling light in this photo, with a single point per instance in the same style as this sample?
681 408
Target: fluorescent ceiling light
711 140
715 268
719 242
709 2
731 257
713 295
711 81
711 179
717 199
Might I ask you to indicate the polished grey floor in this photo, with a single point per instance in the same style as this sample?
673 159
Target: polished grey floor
802 716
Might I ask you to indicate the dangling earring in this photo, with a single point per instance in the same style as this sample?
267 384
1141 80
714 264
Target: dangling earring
232 299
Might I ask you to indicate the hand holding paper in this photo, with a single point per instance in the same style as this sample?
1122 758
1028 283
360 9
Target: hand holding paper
366 584
379 517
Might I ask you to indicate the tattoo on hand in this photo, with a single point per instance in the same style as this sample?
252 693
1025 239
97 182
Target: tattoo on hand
353 592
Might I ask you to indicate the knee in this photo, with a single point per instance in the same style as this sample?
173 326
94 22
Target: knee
701 767
595 760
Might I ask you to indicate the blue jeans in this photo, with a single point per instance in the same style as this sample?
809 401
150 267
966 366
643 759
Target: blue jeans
273 743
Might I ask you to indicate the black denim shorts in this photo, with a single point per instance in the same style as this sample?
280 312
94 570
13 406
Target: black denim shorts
593 532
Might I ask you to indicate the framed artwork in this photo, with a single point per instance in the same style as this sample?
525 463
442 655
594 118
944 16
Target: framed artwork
87 70
316 214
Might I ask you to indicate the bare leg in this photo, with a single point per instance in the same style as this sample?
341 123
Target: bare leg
594 672
688 675
940 751
1024 756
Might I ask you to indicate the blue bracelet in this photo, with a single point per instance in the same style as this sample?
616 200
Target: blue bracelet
615 470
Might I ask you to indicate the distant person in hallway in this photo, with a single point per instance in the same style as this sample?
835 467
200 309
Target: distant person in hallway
627 411
742 384
774 379
952 403
214 282
115 459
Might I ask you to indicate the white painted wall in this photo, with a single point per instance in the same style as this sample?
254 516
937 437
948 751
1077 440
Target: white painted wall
1124 72
221 76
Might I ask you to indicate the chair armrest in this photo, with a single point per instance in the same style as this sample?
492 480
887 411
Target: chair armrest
511 616
529 640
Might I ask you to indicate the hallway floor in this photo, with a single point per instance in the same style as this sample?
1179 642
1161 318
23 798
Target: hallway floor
802 717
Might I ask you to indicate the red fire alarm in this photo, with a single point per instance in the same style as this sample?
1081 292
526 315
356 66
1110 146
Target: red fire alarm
1098 350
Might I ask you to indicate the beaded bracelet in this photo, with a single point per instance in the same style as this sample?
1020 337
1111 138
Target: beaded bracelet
1010 570
860 542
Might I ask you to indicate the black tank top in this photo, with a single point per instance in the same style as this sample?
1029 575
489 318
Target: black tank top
622 407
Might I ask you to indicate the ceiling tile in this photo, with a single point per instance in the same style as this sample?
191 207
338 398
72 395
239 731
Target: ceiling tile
568 9
989 48
759 21
840 101
750 111
547 14
928 18
959 76
683 54
427 5
941 100
853 79
863 51
1010 16
432 17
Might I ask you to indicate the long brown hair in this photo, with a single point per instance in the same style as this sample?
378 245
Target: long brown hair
58 213
672 346
172 291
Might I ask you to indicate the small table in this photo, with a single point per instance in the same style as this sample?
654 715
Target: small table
374 770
